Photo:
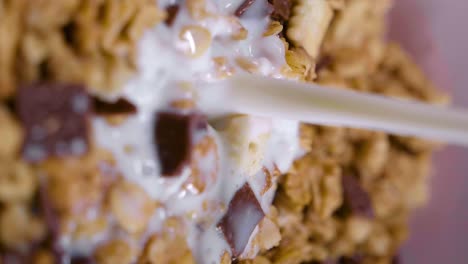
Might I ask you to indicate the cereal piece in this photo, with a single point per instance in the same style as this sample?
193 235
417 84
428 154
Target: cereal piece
55 118
223 69
43 257
356 199
226 258
243 215
308 25
119 107
243 7
379 242
115 252
204 165
10 19
197 9
268 180
268 234
337 4
174 136
310 182
131 206
183 104
372 157
247 64
17 181
300 62
172 11
86 227
281 9
18 227
11 134
168 247
274 28
238 30
87 41
75 185
198 40
357 229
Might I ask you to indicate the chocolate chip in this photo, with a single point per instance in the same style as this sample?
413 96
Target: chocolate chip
243 215
356 200
174 138
172 11
121 106
55 118
243 7
281 9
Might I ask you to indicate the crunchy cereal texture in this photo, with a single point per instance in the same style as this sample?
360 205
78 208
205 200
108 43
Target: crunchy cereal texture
393 170
93 41
90 41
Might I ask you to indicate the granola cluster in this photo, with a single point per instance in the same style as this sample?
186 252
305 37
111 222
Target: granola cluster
89 41
348 200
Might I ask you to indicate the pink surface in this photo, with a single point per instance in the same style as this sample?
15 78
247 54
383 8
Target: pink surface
436 34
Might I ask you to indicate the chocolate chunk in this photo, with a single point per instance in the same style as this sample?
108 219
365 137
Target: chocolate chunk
356 200
243 215
55 118
243 7
172 11
281 9
174 138
121 106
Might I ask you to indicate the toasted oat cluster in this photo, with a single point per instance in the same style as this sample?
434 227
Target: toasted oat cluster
348 200
107 156
87 41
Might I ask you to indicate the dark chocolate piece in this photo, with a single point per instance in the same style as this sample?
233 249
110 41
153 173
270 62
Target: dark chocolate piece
281 9
356 200
55 118
243 215
121 106
243 7
172 11
174 136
